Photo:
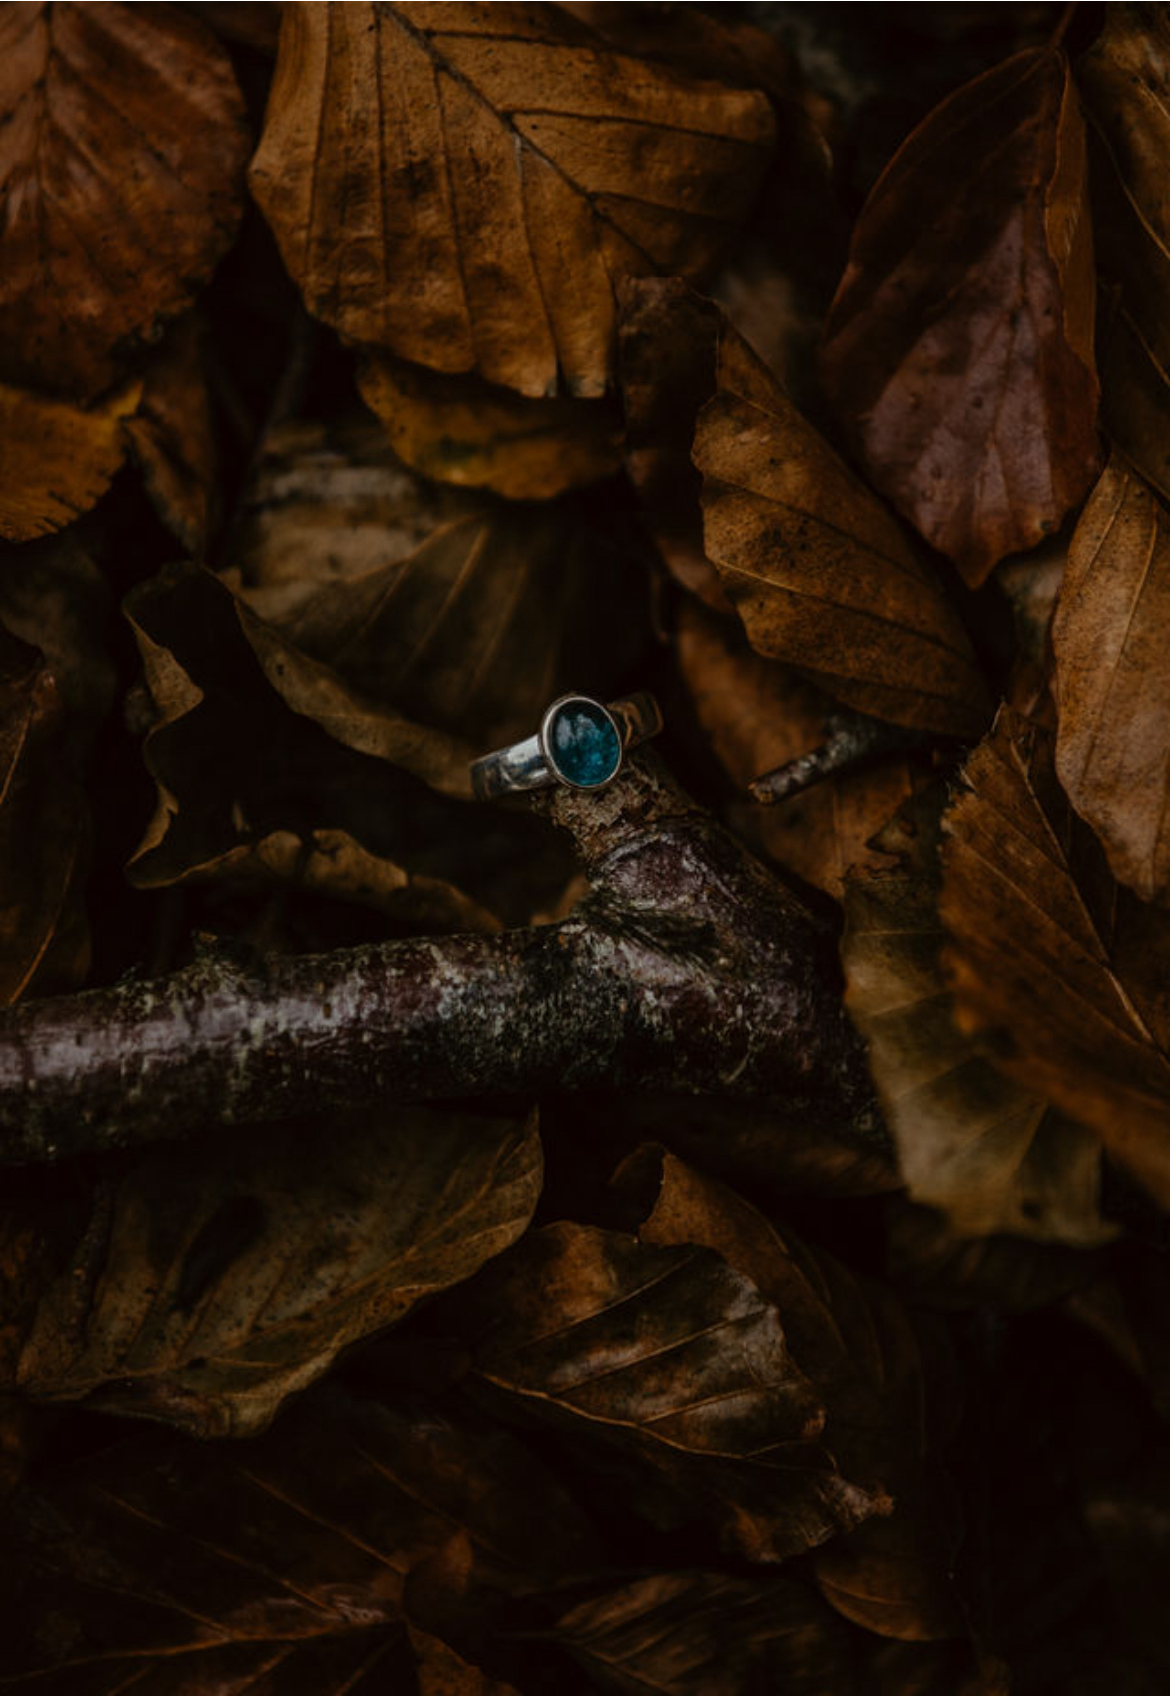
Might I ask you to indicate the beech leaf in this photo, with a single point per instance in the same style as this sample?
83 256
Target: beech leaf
279 1563
860 1352
959 348
57 459
702 1632
820 573
122 153
460 185
757 715
1031 922
672 1356
1112 678
204 1285
979 1146
464 431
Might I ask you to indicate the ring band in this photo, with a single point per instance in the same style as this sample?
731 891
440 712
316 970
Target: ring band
581 743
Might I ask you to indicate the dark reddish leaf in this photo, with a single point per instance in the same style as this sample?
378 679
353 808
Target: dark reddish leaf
959 351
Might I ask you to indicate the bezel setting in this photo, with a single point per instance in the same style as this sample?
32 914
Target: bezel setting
544 736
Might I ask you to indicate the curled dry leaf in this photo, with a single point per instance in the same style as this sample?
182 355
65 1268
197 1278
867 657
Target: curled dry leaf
756 715
308 793
820 573
57 459
172 437
959 349
1031 919
1112 678
987 1151
203 1286
464 431
277 1563
673 1358
696 1632
122 154
860 1352
466 614
460 185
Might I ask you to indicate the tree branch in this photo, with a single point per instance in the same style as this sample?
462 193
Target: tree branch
689 967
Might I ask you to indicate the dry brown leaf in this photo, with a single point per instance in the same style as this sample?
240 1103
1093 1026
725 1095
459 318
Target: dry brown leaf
122 150
460 185
1030 920
695 1632
671 1357
254 783
279 1564
1135 400
757 715
859 1350
205 1284
820 573
172 437
959 349
988 1152
1112 678
465 614
464 431
56 459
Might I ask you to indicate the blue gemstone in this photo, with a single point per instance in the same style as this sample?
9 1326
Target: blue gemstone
582 743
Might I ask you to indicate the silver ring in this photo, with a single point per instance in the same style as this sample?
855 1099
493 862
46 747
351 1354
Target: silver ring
581 743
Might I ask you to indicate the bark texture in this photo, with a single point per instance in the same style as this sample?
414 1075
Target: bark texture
688 967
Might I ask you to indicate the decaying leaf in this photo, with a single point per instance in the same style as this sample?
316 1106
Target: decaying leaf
705 1632
860 1352
672 1358
464 431
990 1153
1031 919
959 350
757 715
1112 678
277 1563
172 437
460 186
820 573
57 459
203 1286
122 154
465 614
312 769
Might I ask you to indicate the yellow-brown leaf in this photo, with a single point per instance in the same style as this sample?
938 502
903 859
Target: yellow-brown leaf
1112 678
123 142
820 573
460 185
57 459
1030 955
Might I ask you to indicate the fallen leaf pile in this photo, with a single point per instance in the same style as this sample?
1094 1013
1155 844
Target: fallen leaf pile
371 375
